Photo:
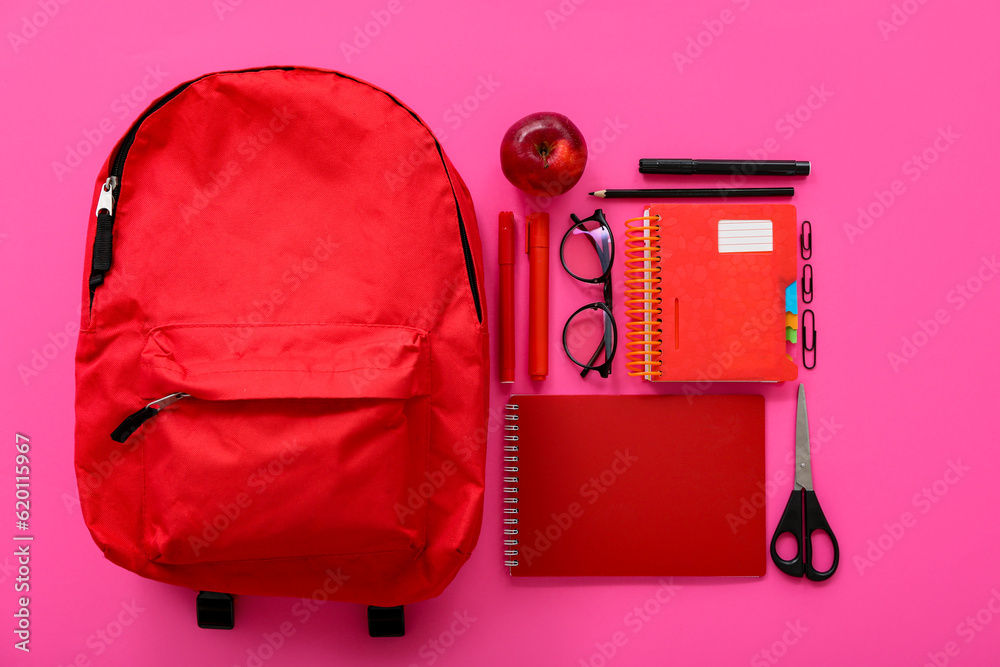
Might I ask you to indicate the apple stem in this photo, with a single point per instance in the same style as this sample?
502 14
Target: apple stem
543 150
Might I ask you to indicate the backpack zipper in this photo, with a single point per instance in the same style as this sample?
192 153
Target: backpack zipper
101 262
470 267
110 191
132 423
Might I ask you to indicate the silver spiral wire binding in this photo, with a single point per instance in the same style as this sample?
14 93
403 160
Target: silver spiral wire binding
510 481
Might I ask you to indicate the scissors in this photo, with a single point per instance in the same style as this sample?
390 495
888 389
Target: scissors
803 515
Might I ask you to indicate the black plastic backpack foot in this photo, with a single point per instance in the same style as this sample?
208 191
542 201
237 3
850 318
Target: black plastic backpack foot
385 621
215 611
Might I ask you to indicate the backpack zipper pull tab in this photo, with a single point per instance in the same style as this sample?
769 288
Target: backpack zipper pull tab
106 200
101 261
137 419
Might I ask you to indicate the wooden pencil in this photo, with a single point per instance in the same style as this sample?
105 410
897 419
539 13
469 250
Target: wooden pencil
693 193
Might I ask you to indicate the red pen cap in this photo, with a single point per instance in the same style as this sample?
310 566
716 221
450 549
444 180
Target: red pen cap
537 242
505 252
505 256
538 231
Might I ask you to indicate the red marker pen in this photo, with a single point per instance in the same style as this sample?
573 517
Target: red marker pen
505 252
537 242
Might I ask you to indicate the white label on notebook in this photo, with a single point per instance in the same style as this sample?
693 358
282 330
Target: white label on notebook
746 236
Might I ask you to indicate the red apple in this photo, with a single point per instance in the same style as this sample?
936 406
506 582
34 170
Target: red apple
544 153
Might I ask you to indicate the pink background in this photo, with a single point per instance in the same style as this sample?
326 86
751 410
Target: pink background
887 92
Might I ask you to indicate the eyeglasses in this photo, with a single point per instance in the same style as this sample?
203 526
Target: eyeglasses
590 336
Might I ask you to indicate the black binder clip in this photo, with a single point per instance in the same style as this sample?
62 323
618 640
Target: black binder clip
806 240
215 611
807 283
808 323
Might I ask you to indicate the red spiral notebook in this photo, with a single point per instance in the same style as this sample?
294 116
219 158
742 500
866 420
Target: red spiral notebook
710 291
646 485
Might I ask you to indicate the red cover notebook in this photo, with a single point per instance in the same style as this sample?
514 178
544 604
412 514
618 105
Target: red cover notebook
634 485
706 288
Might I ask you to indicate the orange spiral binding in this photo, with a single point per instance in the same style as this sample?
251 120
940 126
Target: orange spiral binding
642 300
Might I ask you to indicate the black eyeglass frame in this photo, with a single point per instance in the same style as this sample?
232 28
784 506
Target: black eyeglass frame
605 280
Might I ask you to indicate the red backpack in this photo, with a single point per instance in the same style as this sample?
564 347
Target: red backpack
282 366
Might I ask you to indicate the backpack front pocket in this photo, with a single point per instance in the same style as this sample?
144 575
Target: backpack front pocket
286 441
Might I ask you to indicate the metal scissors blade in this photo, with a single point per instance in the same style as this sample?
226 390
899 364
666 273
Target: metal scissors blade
803 457
803 516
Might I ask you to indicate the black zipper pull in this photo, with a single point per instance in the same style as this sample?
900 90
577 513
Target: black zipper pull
137 419
100 262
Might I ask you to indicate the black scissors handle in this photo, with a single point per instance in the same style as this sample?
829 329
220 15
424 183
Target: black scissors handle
801 518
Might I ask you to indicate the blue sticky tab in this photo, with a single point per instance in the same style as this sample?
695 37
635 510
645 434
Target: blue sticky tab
792 298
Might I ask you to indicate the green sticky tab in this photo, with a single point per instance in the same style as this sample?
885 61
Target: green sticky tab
791 335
